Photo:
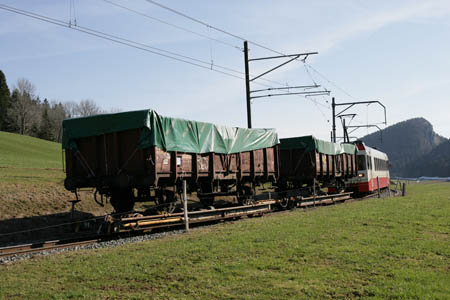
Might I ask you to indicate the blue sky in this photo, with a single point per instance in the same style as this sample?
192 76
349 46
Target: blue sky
392 51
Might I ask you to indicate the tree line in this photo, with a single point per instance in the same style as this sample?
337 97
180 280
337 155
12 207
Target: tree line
21 111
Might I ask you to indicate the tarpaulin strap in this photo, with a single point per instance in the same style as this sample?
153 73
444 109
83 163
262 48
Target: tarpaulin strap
106 158
299 161
127 161
226 162
84 163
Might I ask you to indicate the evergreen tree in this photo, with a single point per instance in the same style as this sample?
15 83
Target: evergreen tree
11 118
5 101
46 130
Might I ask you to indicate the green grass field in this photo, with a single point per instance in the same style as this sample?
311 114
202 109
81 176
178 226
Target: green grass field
392 248
27 152
31 179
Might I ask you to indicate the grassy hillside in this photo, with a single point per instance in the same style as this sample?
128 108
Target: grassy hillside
394 248
31 179
27 152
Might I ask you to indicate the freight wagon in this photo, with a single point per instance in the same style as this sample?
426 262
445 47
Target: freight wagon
142 156
308 162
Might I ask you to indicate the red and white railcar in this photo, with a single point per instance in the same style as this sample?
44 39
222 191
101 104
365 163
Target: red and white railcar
373 169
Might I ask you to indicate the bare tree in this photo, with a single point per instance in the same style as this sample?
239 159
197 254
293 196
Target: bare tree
88 108
24 107
113 110
84 108
70 109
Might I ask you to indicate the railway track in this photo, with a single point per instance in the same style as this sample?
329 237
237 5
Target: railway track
46 246
116 227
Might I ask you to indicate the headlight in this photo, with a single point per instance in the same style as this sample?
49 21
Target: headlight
360 175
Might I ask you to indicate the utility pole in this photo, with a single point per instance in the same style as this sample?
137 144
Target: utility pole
247 86
286 89
346 139
333 108
185 208
341 114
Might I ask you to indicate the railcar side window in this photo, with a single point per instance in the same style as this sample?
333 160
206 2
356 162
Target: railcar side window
361 162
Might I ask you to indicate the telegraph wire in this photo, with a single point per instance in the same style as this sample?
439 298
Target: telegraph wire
173 25
256 44
242 39
73 17
212 27
315 101
185 59
195 33
198 34
168 54
215 28
209 27
116 39
329 81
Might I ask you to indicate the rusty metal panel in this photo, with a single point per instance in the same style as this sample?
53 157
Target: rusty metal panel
259 162
245 164
338 165
317 164
203 165
329 165
114 154
346 165
270 157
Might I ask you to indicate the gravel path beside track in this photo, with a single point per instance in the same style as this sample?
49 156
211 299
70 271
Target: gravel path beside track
106 244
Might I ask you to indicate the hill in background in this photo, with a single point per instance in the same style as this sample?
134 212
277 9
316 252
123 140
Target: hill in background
413 148
436 163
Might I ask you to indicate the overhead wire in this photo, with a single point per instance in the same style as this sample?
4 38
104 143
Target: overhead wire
226 32
173 25
72 13
315 101
114 38
192 32
244 39
241 38
331 82
127 42
137 45
130 43
212 27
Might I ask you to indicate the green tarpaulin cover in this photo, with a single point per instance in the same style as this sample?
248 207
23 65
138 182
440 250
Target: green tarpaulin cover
170 134
310 143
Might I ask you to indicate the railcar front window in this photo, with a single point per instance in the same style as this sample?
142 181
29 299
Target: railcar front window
361 162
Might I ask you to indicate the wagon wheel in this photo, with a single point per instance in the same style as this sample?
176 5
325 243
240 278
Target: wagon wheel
167 201
292 203
207 201
246 198
284 202
122 200
172 204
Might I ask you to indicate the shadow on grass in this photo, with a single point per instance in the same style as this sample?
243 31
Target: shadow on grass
46 227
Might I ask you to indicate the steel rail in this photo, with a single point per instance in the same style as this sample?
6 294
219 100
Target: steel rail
44 246
144 224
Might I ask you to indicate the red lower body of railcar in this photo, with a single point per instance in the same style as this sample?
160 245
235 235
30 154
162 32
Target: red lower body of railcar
372 185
